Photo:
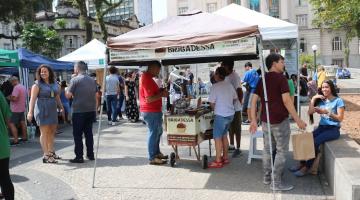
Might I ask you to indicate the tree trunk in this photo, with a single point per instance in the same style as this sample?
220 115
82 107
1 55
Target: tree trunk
348 38
84 19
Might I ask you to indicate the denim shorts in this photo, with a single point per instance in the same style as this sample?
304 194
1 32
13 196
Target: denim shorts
221 126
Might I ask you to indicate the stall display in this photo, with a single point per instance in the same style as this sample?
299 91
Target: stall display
189 127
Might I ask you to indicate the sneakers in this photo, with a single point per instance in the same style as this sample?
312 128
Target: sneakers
267 180
162 156
157 161
113 123
109 122
12 143
281 187
246 122
231 147
77 160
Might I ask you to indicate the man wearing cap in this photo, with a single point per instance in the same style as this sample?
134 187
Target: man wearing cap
17 105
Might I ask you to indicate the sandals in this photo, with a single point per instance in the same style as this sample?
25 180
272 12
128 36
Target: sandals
54 155
215 164
49 159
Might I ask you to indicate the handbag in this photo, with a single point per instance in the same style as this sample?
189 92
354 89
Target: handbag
303 146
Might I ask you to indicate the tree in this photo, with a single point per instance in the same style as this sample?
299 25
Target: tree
42 40
84 18
103 7
339 15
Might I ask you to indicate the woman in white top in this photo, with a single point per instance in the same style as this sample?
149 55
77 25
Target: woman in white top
222 99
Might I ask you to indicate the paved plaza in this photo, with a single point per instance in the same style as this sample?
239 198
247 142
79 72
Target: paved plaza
123 172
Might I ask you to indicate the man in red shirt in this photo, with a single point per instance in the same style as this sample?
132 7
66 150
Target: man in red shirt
150 107
280 105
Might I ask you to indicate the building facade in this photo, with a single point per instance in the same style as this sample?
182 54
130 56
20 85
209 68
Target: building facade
9 38
72 33
330 43
141 8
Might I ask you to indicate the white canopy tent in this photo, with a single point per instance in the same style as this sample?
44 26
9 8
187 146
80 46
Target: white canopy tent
270 28
275 34
93 53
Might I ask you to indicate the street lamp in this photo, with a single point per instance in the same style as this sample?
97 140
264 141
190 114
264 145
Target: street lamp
314 48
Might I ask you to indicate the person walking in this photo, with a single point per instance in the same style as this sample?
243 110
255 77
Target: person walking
65 101
82 90
131 108
235 127
44 101
189 83
121 96
280 105
17 105
112 91
150 107
7 187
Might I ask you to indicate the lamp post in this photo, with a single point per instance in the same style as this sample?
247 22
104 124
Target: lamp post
314 48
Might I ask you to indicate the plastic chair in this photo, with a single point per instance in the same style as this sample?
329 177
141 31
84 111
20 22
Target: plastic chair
252 148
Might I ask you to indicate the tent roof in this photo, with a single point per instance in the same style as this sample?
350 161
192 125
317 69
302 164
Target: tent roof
31 60
9 58
188 29
270 28
91 53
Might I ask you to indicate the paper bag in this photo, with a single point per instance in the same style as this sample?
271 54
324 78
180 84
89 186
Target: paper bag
303 146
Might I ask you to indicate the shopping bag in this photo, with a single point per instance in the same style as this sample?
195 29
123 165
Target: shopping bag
303 146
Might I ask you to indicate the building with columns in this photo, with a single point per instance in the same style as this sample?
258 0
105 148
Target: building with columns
330 43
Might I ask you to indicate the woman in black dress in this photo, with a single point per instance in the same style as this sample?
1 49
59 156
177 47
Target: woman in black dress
131 108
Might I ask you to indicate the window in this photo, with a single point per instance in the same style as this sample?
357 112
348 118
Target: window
237 1
70 42
302 45
255 5
274 8
7 46
211 7
182 10
336 44
301 20
338 62
302 2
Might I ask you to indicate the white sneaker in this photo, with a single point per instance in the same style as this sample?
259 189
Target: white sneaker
113 123
109 122
281 187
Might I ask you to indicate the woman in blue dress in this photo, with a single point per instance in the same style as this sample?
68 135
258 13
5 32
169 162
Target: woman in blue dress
331 109
43 106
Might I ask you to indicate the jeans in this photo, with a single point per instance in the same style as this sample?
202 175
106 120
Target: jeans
321 135
120 104
280 137
190 90
154 123
7 187
111 104
82 123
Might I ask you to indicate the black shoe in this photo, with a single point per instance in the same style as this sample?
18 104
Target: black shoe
236 153
90 157
12 143
77 160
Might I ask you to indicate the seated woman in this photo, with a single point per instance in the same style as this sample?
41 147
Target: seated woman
331 109
223 105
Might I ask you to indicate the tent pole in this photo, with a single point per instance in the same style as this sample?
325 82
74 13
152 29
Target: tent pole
266 104
100 120
298 78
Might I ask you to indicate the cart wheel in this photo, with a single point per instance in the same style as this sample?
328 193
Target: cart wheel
204 162
172 159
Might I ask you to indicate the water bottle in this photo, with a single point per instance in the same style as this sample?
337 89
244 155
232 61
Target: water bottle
32 132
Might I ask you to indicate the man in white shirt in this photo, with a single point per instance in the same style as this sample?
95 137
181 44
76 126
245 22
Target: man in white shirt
235 128
223 104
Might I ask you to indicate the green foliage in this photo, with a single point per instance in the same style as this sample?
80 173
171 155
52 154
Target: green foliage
60 23
338 15
42 40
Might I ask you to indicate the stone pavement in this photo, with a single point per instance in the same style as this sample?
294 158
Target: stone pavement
123 173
